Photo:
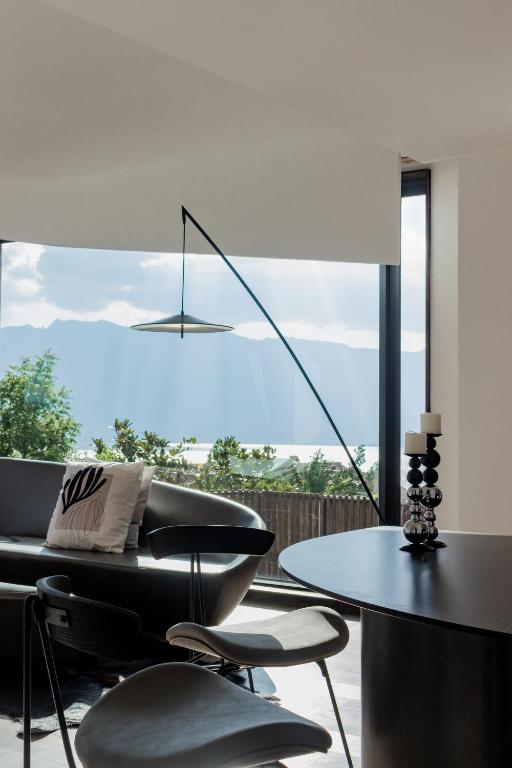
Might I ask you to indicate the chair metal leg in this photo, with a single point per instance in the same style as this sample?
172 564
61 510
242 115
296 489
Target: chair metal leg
325 673
202 608
27 678
251 680
192 589
54 684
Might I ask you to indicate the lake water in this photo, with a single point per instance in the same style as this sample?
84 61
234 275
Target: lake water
197 454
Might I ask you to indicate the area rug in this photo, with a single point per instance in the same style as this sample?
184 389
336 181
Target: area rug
81 686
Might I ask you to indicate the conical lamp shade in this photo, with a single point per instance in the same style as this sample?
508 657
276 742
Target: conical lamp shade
181 323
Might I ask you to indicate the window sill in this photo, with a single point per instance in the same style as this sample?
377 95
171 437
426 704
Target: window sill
272 594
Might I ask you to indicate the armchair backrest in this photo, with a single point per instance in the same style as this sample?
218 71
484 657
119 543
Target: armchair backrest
79 623
176 505
209 539
86 625
28 494
29 491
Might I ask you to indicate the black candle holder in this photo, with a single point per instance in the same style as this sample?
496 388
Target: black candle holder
432 495
415 529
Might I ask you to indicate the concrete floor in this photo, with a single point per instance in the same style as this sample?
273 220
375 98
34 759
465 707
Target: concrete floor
301 689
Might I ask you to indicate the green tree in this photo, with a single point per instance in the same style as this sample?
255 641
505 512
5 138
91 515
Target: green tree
317 475
150 448
216 475
230 466
344 480
35 413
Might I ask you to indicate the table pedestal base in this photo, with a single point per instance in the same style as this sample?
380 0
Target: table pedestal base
434 697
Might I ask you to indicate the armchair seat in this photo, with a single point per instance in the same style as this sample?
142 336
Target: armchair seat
133 579
298 637
139 559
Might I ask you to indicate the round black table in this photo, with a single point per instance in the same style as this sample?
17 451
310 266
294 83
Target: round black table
436 687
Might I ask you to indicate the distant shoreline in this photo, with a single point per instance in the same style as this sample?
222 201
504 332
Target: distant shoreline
198 453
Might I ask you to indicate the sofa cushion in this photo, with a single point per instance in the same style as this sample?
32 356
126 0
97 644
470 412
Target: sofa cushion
132 541
28 491
156 590
95 506
141 559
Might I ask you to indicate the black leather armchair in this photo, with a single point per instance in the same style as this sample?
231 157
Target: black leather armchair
156 590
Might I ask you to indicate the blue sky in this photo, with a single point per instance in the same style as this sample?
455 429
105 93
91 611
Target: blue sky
308 299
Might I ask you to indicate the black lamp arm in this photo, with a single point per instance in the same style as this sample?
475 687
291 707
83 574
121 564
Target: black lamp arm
187 215
184 219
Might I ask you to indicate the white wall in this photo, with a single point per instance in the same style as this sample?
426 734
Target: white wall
472 338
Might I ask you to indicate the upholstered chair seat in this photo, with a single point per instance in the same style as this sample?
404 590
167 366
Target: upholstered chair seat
298 637
183 716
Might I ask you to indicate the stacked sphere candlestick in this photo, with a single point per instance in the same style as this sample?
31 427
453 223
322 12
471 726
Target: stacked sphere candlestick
415 529
432 495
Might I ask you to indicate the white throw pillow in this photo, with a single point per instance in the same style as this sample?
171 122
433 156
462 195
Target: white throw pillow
132 542
95 506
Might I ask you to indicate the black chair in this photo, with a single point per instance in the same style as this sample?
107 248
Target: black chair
306 635
168 716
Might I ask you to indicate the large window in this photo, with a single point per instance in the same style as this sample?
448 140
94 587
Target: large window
228 413
237 413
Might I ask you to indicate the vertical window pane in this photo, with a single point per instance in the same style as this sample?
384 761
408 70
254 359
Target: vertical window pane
413 337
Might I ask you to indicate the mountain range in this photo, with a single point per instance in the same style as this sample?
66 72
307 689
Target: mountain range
213 385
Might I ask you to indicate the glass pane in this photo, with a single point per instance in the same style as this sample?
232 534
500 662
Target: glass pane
230 411
413 339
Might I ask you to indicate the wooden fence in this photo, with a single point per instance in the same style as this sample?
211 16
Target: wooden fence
297 516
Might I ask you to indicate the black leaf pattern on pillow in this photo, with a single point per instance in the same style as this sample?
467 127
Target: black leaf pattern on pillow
83 485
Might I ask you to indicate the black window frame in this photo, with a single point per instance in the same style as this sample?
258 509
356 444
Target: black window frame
414 183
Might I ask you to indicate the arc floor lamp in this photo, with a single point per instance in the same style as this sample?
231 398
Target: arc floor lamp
182 323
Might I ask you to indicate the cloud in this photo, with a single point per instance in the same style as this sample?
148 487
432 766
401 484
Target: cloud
338 333
90 280
303 330
41 314
308 299
82 282
21 259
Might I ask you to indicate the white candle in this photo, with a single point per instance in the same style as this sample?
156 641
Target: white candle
415 443
431 423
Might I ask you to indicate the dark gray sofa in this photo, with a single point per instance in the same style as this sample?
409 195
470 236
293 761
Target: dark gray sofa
156 590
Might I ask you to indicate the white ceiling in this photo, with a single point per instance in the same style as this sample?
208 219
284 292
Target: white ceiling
78 99
103 136
427 78
277 122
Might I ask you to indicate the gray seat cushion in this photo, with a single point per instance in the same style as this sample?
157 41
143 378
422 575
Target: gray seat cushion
182 716
308 634
139 559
